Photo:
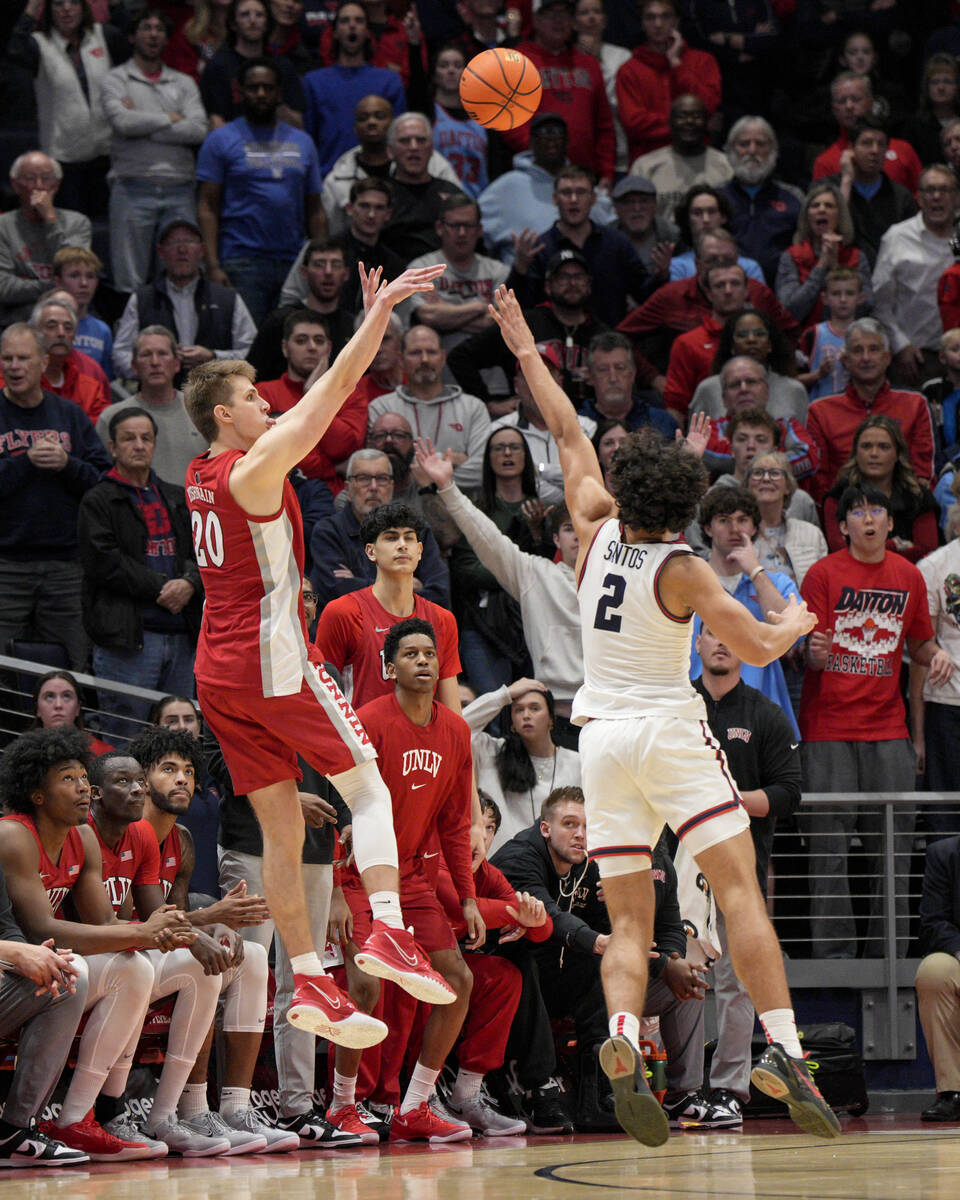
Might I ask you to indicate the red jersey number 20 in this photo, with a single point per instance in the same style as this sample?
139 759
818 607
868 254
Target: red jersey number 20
207 539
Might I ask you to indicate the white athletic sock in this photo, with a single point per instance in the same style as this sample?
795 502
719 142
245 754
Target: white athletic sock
193 1101
173 1079
233 1099
385 907
82 1092
625 1024
467 1086
344 1090
780 1025
307 964
419 1088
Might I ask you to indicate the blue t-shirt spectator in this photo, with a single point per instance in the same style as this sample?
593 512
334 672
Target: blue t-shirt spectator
94 338
332 93
266 174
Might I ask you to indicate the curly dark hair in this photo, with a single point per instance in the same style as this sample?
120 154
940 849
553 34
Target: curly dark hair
656 484
489 805
396 634
27 760
514 767
151 744
781 357
395 515
724 501
487 501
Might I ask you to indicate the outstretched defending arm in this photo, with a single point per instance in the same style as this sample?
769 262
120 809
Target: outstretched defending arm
260 473
587 499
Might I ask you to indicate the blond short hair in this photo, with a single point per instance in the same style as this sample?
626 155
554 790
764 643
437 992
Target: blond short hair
209 385
72 256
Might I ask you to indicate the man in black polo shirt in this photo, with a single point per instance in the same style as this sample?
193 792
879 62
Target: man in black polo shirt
758 740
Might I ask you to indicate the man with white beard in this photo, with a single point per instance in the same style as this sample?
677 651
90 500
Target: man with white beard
765 210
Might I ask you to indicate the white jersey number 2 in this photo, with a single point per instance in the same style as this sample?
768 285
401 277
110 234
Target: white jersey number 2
207 539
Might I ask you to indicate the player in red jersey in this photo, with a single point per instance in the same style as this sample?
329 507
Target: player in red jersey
424 750
47 855
351 628
263 690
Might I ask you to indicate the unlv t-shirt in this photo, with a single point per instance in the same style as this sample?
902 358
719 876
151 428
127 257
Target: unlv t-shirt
872 608
135 859
429 771
350 633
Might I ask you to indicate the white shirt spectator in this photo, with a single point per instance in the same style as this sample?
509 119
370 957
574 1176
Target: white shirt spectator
909 264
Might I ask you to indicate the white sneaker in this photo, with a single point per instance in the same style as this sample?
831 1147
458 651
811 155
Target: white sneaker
190 1143
484 1119
212 1125
248 1120
440 1108
126 1129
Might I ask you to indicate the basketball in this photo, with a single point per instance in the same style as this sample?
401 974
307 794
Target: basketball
500 89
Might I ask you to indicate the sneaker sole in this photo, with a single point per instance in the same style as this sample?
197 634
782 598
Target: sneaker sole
639 1113
28 1163
282 1145
355 1035
121 1156
411 982
808 1114
257 1145
219 1151
461 1135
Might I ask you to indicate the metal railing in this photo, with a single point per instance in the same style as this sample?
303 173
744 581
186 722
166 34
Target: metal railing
846 881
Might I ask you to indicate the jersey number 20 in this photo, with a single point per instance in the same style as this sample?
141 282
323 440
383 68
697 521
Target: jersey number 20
607 618
207 539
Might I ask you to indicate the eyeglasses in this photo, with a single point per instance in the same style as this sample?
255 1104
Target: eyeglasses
945 190
366 480
385 435
461 226
507 448
309 597
875 510
768 473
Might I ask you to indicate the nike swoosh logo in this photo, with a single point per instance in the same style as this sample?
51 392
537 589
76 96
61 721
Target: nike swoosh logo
407 958
331 1000
435 854
794 745
414 786
385 629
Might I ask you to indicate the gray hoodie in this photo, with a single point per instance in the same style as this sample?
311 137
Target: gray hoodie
453 420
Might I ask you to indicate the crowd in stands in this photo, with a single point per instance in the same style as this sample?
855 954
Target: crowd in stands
734 224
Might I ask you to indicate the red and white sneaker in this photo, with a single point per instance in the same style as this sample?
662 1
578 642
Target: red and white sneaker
320 1007
350 1121
93 1140
393 954
422 1124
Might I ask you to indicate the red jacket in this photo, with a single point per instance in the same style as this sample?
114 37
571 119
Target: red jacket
902 164
573 87
948 297
494 894
81 386
647 85
344 434
691 360
833 420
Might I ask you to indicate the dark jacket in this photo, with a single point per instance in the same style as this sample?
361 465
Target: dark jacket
214 304
764 223
940 901
579 915
872 218
117 583
761 748
336 540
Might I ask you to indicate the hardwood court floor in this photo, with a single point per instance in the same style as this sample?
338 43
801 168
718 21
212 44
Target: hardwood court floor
879 1158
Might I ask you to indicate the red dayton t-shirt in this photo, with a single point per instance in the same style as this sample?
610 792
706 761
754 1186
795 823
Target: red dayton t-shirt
135 859
429 772
350 633
871 609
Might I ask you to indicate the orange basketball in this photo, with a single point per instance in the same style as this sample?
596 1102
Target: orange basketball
500 89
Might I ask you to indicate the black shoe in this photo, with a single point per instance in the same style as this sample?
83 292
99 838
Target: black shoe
31 1148
548 1113
377 1116
788 1080
724 1098
637 1108
595 1109
946 1107
316 1132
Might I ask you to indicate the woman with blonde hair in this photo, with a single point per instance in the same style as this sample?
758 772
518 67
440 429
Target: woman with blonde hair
198 39
824 240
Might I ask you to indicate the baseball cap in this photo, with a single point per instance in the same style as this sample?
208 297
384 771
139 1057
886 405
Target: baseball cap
561 258
546 118
541 4
177 223
630 184
550 353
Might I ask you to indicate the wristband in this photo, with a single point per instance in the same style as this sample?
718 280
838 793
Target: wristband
755 572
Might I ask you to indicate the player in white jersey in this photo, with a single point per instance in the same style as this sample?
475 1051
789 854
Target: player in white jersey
646 752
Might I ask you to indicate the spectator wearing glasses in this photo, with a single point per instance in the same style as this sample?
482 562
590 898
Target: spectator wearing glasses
340 561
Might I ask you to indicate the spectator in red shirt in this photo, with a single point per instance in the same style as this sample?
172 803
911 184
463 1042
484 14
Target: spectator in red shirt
833 421
573 87
851 99
69 373
869 604
691 358
662 69
306 347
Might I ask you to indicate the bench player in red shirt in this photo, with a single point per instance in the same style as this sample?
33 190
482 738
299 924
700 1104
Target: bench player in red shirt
49 857
263 690
424 751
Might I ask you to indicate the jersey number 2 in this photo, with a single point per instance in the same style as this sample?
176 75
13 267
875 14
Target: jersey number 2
607 619
207 539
